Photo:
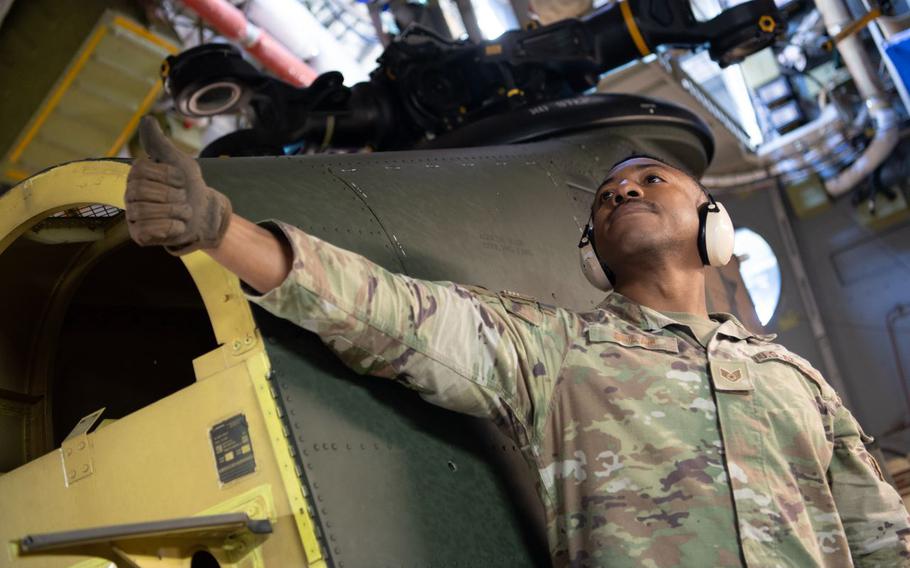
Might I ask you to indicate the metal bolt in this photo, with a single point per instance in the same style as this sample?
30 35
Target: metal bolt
236 345
72 473
81 445
85 468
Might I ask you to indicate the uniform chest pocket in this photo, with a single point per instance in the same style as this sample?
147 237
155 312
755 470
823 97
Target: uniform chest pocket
799 435
799 418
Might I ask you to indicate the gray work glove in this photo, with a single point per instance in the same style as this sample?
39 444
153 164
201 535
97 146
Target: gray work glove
168 202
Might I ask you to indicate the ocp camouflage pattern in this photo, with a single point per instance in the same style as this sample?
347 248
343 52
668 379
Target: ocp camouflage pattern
649 450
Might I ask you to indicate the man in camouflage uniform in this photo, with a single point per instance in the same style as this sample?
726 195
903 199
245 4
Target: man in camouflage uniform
661 436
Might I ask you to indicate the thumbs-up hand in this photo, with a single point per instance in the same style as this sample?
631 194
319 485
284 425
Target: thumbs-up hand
168 202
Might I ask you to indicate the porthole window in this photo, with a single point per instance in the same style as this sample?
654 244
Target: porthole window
760 272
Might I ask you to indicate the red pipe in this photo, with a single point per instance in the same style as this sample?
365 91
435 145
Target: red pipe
232 24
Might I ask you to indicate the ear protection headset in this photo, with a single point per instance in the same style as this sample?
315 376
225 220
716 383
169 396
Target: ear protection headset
715 244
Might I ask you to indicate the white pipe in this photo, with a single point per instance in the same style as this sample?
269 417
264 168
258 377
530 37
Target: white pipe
878 150
724 181
291 23
784 153
836 17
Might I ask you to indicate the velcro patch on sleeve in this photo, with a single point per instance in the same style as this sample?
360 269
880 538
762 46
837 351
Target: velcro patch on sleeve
799 364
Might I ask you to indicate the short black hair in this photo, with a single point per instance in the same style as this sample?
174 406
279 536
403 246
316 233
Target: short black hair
682 169
662 161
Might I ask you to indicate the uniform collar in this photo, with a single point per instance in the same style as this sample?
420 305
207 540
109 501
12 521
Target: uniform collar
648 319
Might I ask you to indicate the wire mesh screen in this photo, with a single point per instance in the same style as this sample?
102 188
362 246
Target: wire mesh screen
95 210
91 216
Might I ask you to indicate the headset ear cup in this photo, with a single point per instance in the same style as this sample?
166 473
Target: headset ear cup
593 269
702 233
716 235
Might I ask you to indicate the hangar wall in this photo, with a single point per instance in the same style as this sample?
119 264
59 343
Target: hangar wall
859 275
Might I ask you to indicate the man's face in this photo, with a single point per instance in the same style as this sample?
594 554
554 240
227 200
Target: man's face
645 206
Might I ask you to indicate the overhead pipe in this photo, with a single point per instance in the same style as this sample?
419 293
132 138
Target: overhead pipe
837 18
789 153
232 24
294 26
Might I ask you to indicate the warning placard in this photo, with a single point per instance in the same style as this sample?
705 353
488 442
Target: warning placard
233 449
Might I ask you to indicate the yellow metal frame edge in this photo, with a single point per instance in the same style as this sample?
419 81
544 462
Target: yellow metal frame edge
107 21
104 181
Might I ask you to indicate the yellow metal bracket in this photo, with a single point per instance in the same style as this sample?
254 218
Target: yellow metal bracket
76 450
76 453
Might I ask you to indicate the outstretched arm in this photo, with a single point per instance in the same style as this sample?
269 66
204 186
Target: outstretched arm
467 350
257 256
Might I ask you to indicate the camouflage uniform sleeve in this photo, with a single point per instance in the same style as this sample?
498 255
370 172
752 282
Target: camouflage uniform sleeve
875 520
460 349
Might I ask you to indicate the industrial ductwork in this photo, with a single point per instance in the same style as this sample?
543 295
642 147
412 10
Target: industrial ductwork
836 17
821 145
